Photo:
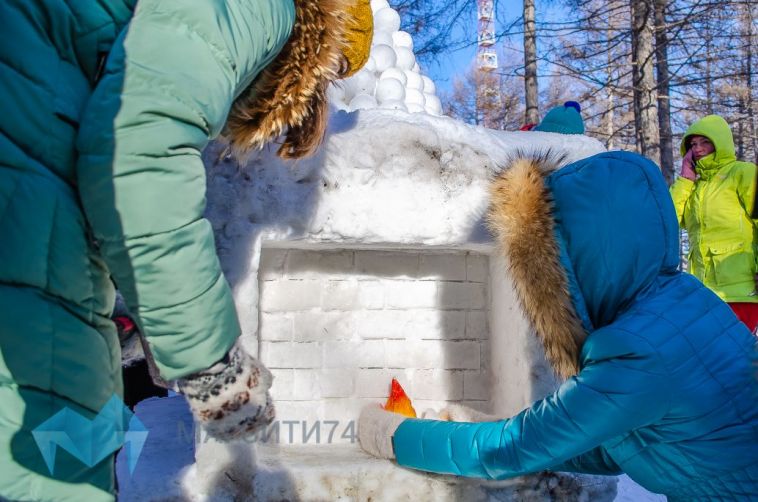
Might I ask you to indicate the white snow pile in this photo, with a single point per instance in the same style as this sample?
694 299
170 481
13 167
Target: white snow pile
381 176
391 78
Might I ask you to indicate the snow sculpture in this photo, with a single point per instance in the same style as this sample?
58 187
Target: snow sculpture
391 78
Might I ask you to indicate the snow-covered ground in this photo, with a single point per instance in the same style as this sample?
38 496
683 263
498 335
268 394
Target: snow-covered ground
166 470
629 491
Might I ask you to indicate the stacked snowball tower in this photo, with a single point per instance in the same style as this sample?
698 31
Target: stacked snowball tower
391 79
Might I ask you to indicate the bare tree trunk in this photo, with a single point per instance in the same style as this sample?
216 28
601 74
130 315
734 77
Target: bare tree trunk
743 111
749 35
664 103
708 76
645 95
609 129
532 114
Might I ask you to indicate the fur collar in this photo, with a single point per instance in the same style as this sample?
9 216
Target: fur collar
521 217
290 93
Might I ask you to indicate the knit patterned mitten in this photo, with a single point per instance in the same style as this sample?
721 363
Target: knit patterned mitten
230 399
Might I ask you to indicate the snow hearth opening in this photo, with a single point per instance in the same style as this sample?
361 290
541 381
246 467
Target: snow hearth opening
337 325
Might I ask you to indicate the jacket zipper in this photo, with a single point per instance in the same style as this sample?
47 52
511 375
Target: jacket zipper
701 240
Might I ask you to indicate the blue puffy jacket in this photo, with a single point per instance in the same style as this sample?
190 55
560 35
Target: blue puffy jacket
661 375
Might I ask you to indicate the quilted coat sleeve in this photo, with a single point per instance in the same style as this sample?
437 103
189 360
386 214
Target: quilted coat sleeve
746 187
681 190
169 82
747 191
612 395
595 461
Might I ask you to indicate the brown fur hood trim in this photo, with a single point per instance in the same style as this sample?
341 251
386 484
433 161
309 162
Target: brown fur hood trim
290 93
521 218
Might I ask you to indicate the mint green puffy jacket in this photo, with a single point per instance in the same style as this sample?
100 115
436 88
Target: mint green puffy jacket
101 176
717 212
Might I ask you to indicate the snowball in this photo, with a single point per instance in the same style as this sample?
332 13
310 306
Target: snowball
429 87
433 105
390 89
362 102
335 94
350 87
394 104
370 64
386 19
382 38
414 96
405 58
379 5
336 91
363 82
402 39
391 77
385 57
413 80
394 73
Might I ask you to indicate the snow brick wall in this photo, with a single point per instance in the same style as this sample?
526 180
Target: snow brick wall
338 325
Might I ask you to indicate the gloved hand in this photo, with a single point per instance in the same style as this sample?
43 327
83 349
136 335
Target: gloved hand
231 399
688 166
375 430
460 413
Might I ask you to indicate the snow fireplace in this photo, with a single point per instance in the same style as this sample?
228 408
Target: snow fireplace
337 325
368 262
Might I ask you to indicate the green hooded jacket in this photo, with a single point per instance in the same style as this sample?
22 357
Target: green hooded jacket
106 107
717 211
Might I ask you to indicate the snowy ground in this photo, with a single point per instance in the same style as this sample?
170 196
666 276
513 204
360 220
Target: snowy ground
166 471
629 491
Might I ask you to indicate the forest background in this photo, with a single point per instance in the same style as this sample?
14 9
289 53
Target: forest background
643 70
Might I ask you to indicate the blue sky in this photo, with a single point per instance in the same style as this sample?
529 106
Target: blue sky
457 62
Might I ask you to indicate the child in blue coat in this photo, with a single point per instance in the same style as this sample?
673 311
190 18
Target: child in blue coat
660 375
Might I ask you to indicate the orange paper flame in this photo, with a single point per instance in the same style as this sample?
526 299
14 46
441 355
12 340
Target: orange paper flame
399 402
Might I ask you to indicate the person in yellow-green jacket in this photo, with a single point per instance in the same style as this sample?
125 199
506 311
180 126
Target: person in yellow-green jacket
715 201
106 108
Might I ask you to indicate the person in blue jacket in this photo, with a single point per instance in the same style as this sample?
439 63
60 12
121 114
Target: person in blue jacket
660 375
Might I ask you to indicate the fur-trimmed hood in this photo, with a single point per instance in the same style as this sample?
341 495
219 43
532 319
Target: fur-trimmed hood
578 242
290 94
